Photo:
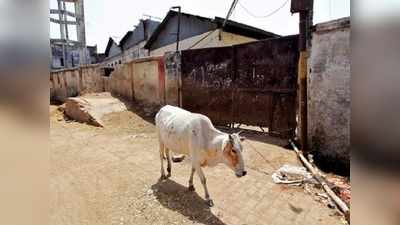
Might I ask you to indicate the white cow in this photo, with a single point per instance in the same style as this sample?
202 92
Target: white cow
192 134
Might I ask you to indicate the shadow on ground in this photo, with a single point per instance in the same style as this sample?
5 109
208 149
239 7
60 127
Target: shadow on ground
145 111
148 112
258 136
176 197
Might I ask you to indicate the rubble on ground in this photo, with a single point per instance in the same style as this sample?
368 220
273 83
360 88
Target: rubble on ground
92 107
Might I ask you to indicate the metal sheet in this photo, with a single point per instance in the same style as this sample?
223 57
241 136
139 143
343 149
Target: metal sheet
207 82
253 84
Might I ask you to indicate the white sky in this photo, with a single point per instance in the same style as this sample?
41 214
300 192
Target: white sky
105 18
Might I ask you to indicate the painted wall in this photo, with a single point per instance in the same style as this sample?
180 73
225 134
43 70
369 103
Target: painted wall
329 91
206 40
141 80
234 39
120 82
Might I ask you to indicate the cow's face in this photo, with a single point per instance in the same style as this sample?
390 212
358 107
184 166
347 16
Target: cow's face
233 157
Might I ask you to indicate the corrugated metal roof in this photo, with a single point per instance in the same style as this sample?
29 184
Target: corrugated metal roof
231 26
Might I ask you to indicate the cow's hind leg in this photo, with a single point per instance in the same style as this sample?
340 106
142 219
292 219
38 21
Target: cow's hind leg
162 161
168 162
204 182
191 187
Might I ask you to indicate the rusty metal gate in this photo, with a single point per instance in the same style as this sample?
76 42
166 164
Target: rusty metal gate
253 84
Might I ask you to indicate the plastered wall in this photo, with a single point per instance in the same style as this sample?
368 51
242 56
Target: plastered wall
329 96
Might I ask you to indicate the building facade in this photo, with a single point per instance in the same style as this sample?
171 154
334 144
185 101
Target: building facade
113 54
65 52
200 32
131 45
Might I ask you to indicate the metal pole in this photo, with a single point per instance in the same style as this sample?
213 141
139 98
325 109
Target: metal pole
179 26
177 69
229 12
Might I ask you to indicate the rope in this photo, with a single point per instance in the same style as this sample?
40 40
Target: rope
266 160
268 15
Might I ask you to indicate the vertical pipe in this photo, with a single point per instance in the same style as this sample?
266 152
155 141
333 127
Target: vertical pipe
179 71
178 58
235 92
179 28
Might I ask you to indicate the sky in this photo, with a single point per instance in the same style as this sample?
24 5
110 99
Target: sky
113 18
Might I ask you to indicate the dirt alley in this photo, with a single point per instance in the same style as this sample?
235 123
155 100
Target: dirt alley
110 176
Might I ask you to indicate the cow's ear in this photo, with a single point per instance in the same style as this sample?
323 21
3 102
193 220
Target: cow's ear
230 138
227 146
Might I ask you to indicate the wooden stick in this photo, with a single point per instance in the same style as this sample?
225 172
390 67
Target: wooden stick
342 206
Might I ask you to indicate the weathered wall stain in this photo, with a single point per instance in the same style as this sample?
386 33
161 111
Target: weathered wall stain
329 91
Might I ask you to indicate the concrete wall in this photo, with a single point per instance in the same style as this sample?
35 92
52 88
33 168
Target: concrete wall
141 80
329 91
72 82
209 39
120 82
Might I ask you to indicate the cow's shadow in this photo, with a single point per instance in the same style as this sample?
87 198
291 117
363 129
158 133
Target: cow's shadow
176 197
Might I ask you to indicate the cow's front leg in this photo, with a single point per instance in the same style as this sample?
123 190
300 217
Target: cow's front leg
191 187
204 182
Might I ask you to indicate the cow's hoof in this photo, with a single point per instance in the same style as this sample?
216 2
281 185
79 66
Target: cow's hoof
191 188
168 175
210 203
163 177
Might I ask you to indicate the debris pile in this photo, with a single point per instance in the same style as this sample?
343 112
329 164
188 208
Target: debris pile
289 174
92 107
341 186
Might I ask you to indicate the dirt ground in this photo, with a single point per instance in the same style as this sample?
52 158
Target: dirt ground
111 176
